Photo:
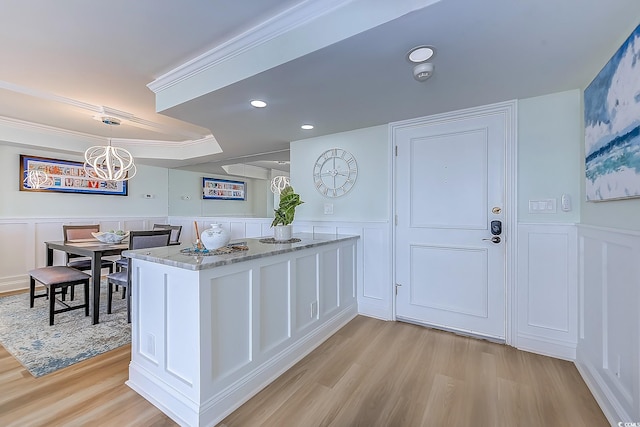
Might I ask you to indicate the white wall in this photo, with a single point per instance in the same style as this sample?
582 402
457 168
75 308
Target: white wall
23 204
183 184
548 165
369 198
364 210
609 326
549 158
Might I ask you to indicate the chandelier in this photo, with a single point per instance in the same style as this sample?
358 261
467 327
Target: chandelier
278 183
37 179
109 163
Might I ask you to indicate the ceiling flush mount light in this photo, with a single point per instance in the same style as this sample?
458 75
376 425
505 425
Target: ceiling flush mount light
278 183
109 163
258 103
306 127
421 54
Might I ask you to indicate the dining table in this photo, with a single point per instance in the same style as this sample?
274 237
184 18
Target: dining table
95 250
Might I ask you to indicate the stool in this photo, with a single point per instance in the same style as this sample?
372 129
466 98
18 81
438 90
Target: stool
56 279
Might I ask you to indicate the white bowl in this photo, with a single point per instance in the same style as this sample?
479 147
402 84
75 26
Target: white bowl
106 237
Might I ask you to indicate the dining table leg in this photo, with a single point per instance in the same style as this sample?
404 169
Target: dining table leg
96 270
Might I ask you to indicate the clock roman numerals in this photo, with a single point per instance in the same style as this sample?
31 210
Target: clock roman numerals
335 172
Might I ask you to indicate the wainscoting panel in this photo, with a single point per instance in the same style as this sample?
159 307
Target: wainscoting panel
28 235
328 284
547 289
609 323
306 291
275 320
373 255
230 296
17 258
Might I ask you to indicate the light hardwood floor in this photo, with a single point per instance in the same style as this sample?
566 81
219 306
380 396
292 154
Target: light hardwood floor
371 373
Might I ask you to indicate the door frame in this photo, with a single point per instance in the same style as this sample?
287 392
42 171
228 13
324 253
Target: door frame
510 111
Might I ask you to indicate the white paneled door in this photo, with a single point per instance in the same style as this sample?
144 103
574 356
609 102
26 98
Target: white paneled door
449 187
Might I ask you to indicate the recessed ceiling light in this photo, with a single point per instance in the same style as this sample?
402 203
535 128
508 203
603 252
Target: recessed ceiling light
258 103
421 54
307 127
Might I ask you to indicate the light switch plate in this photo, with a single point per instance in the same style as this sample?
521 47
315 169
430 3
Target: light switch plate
328 208
543 206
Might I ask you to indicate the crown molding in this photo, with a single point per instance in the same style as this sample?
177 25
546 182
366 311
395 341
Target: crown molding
294 17
79 141
99 110
24 125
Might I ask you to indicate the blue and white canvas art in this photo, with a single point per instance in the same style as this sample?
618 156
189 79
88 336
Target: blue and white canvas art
612 126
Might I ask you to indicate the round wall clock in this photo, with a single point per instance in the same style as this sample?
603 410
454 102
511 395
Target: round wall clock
335 172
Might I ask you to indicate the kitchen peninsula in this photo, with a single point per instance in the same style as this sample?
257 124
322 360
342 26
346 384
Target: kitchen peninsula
209 332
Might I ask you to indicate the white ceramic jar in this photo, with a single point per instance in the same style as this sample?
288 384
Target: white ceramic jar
215 237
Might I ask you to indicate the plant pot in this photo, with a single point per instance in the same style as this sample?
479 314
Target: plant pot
282 233
215 237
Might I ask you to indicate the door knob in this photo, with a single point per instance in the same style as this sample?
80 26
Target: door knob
494 239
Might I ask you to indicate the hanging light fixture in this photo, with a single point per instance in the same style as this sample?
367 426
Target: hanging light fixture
37 179
278 183
109 163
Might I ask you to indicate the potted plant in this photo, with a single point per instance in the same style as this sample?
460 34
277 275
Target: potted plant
285 213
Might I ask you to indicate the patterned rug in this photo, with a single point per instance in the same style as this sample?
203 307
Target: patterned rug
42 349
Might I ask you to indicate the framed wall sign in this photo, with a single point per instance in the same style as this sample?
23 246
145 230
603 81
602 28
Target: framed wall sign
64 176
223 189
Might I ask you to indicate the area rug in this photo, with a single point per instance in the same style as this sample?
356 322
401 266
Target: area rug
42 349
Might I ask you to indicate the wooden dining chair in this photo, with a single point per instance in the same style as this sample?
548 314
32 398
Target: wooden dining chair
137 240
79 262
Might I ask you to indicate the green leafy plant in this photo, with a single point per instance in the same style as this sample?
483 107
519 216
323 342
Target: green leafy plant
287 209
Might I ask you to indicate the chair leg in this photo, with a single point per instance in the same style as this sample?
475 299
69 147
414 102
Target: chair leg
86 298
52 303
109 297
32 291
129 303
73 288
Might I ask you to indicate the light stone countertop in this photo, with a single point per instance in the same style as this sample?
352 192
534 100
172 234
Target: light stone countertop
171 255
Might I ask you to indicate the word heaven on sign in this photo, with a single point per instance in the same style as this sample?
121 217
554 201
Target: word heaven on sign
64 176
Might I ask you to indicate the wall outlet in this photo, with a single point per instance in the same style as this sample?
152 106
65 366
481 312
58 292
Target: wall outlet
186 197
328 208
148 196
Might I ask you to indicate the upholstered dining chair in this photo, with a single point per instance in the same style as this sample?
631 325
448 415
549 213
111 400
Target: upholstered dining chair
137 240
175 232
82 232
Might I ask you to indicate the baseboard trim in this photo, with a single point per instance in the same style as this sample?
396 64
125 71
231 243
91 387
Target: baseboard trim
210 412
546 347
610 406
15 283
374 310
